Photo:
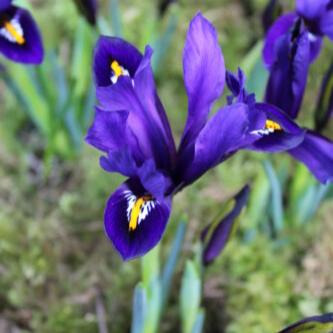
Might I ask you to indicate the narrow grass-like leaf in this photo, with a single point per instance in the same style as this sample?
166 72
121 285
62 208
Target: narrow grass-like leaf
199 322
276 195
139 308
190 297
172 260
115 18
162 44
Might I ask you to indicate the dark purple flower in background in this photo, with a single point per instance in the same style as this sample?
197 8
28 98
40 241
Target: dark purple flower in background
291 44
324 107
280 133
216 235
88 8
271 12
132 130
289 70
20 39
316 324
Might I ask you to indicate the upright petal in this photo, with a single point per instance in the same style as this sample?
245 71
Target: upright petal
204 74
316 152
281 26
310 9
288 74
223 134
20 40
217 234
134 220
326 23
136 94
321 324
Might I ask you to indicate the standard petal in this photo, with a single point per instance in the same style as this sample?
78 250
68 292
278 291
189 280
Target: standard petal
311 9
204 74
326 23
135 221
288 74
147 119
112 50
281 26
316 152
108 130
280 132
321 324
20 40
217 234
223 134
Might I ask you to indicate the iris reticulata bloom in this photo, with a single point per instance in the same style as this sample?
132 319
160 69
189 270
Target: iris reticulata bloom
20 40
132 130
291 44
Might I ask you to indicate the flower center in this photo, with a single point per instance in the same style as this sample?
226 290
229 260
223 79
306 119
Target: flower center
270 127
13 31
116 71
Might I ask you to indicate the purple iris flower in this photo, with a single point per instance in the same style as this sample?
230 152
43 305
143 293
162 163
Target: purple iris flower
281 133
88 8
291 44
132 130
322 323
20 40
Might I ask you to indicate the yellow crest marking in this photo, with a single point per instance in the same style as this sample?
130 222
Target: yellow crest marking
270 124
117 70
135 213
14 33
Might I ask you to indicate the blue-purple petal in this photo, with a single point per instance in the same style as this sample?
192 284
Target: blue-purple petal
109 49
311 9
223 134
30 49
204 74
148 232
288 74
290 135
281 26
316 152
217 234
4 4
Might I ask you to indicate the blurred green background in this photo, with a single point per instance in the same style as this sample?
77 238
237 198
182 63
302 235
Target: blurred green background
58 271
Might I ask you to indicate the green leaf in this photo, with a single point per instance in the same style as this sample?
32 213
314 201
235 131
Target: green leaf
139 309
115 18
276 195
163 43
199 322
172 260
190 297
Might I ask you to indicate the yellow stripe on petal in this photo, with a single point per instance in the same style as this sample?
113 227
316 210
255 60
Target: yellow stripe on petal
17 36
